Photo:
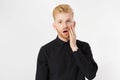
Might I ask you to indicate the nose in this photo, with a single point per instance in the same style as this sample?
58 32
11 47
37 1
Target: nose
65 25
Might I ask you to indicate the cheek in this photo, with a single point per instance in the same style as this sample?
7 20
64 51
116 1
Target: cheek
71 25
58 29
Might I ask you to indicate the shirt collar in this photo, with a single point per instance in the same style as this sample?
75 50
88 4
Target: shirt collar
59 41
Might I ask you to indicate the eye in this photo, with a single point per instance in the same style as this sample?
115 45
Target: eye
60 22
68 21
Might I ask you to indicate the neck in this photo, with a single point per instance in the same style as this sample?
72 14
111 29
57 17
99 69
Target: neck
63 39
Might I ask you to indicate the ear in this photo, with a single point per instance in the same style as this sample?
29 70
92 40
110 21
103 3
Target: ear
74 24
54 25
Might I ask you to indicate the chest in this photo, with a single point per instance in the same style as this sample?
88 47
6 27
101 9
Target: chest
60 59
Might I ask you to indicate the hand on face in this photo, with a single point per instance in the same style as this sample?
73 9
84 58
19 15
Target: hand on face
72 37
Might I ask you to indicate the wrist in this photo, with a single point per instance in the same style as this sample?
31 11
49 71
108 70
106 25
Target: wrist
74 48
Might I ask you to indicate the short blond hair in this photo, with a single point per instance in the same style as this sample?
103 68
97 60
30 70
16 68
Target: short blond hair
62 8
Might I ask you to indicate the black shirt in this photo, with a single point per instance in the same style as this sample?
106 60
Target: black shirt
56 61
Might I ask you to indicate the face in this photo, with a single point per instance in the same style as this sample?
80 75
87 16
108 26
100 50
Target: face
62 23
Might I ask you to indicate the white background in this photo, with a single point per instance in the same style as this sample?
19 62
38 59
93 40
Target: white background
26 25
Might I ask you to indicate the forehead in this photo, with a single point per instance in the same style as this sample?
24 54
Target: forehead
63 16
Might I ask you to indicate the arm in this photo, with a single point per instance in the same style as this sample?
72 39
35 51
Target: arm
83 56
42 66
85 61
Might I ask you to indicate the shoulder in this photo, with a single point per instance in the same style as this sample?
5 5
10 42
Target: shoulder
48 45
44 50
84 47
82 44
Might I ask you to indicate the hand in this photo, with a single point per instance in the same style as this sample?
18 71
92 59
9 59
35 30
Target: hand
72 37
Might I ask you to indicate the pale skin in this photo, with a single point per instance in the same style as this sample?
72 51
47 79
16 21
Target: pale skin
65 27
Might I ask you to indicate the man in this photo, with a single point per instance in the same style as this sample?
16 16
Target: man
65 58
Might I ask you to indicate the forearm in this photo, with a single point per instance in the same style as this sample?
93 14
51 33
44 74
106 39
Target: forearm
42 66
88 67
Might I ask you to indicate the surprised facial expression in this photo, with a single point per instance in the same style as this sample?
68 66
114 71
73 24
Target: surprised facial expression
63 21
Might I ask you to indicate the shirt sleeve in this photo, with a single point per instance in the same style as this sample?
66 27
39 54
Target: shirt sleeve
42 66
85 62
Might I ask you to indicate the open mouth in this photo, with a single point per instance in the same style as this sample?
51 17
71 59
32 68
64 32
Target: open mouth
65 31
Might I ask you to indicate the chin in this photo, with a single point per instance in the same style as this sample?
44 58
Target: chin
65 37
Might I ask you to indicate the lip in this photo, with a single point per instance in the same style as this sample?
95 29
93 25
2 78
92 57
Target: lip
65 31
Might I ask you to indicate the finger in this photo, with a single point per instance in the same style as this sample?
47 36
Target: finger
72 31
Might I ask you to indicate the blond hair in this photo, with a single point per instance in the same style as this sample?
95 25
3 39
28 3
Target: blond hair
62 8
